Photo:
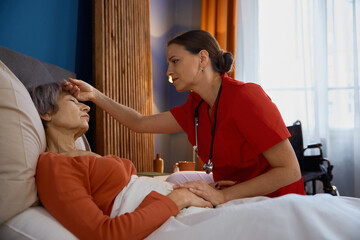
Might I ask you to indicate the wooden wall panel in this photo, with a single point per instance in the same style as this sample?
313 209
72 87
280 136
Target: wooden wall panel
123 72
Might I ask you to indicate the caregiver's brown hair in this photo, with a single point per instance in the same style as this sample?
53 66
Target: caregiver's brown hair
196 40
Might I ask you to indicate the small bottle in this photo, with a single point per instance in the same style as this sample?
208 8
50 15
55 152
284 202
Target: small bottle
176 168
158 164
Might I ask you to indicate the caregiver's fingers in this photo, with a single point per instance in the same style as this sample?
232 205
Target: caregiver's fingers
216 197
71 88
185 198
80 89
76 82
178 186
224 184
207 204
192 184
203 190
83 86
200 202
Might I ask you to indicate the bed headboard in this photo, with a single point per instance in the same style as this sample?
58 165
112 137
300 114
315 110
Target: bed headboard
31 71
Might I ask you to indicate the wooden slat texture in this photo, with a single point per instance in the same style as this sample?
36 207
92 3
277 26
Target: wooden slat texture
123 72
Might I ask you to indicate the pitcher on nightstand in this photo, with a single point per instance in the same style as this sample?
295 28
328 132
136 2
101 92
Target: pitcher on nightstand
158 164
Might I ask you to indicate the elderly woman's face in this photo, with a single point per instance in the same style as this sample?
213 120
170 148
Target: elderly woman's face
72 115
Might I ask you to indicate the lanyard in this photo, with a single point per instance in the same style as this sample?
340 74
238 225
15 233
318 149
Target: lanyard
209 165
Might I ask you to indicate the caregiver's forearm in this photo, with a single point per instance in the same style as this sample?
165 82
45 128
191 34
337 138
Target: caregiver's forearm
156 123
263 184
125 115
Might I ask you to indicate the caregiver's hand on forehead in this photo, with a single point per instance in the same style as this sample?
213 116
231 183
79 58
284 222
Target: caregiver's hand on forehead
80 89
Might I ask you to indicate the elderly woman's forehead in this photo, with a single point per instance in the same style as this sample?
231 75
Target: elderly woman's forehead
65 93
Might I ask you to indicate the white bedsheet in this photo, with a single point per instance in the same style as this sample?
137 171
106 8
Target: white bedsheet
288 217
292 216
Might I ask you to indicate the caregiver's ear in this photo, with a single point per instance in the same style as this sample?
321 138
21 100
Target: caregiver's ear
46 117
204 57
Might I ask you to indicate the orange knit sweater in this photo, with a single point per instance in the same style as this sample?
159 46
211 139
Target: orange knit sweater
80 191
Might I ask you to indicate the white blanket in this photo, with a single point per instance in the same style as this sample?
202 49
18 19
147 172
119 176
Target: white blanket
134 193
288 217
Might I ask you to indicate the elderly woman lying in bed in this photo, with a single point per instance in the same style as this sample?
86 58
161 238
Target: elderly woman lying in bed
86 192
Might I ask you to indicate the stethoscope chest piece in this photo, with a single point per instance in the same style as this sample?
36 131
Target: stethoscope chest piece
208 167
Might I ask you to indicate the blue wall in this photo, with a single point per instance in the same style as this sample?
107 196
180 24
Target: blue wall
58 32
55 31
46 30
41 29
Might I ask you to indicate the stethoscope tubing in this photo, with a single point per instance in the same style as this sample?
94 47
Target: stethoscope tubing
209 165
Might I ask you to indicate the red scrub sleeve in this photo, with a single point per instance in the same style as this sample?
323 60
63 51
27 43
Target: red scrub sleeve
185 115
260 121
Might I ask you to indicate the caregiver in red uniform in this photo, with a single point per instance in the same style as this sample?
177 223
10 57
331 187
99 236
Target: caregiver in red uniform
251 154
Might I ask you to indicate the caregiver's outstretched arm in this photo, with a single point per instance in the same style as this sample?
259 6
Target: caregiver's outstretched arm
158 123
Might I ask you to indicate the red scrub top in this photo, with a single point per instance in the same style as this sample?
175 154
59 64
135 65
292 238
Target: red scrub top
247 124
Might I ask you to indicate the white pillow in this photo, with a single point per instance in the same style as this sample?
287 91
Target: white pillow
34 223
22 140
188 176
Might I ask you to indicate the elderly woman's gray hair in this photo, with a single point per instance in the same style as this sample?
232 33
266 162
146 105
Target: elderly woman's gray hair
45 97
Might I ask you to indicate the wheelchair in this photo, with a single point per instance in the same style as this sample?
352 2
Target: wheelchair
313 167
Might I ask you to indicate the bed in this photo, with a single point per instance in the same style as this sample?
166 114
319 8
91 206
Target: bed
321 216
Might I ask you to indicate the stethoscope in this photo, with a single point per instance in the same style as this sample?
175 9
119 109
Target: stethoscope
207 167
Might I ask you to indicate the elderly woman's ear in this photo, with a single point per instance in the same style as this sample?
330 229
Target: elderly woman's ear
46 117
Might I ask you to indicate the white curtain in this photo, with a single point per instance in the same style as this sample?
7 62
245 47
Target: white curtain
247 44
305 55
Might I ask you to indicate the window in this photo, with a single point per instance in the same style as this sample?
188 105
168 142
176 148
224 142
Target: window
307 55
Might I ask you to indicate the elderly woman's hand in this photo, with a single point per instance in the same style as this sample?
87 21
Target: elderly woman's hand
183 198
80 89
205 191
